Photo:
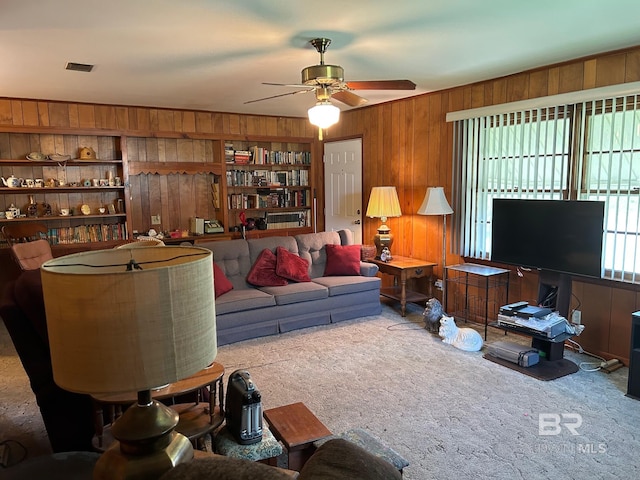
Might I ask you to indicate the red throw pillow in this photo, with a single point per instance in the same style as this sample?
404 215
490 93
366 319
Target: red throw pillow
342 260
291 266
263 271
221 284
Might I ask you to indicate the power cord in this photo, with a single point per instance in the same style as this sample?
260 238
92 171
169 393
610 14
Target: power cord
586 366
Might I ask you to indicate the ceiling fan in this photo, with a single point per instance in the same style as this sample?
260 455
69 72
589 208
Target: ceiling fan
327 81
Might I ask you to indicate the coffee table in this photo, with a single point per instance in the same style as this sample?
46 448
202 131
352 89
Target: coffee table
297 428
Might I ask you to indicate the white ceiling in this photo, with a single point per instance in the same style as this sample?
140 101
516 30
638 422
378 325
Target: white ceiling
214 54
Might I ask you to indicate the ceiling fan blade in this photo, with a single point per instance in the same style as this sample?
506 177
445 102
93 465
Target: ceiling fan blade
382 85
349 98
276 96
300 85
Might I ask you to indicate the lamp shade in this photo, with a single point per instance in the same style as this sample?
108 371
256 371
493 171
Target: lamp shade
118 330
435 203
324 114
383 203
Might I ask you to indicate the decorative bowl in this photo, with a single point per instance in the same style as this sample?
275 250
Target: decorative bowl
57 157
36 157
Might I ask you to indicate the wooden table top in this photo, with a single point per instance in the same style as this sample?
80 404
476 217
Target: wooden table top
198 380
404 262
295 425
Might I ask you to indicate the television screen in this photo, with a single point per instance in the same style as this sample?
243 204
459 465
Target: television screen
558 235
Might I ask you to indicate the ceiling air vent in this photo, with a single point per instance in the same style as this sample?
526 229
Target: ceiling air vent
79 67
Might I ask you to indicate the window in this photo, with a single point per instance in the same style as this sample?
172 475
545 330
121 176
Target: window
586 151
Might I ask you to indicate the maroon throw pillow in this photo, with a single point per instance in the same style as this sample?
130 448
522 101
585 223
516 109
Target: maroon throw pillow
263 271
342 260
291 266
221 284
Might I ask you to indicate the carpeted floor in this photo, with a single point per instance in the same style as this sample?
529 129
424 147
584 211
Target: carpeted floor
451 414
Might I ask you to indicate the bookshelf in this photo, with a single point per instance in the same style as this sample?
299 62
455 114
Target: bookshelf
269 185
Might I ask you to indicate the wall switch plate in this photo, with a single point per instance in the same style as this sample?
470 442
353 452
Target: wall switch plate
576 317
155 219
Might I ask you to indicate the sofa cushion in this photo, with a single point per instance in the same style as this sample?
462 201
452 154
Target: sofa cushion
256 245
297 292
291 266
238 300
232 256
311 247
340 458
342 260
221 283
345 284
263 272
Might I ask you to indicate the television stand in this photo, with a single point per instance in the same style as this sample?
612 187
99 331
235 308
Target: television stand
552 363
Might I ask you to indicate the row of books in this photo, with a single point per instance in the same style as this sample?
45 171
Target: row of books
88 233
288 220
270 199
262 156
263 178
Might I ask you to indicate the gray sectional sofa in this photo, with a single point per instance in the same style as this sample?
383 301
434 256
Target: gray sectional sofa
248 312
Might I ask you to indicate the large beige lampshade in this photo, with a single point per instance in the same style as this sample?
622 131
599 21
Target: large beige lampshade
113 330
383 203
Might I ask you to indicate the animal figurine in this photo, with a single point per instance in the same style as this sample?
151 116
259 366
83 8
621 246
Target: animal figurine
432 315
466 339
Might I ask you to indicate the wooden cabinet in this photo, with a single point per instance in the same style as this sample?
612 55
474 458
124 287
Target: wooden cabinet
94 191
269 184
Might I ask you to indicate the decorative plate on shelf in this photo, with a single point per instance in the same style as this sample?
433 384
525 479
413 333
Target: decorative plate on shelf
85 209
57 157
36 157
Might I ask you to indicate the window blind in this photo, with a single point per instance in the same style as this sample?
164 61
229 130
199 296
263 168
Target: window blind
585 151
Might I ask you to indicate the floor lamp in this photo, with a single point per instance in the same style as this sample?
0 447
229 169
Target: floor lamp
435 203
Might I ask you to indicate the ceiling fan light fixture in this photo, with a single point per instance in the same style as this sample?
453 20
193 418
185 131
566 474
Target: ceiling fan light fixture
324 114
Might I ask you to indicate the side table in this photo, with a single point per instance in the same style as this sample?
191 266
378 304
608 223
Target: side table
197 418
404 268
480 277
297 428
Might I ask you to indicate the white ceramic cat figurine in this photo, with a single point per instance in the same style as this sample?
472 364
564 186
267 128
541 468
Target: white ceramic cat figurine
466 339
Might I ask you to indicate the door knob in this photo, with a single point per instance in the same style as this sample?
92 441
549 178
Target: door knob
357 222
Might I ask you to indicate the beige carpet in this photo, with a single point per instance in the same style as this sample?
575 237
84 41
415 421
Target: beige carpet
451 414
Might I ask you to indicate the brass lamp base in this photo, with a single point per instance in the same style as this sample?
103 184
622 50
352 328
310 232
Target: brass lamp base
382 239
147 445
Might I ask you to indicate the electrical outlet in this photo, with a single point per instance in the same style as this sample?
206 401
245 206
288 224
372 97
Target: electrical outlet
155 219
576 317
438 284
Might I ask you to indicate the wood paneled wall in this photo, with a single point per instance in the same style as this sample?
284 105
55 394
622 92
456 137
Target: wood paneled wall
408 143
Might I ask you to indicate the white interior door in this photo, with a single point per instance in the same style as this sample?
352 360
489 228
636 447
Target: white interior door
343 186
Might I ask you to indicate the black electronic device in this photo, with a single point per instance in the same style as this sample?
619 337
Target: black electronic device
560 238
243 408
512 308
531 311
557 235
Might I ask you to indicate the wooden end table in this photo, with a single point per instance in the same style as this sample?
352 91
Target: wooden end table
196 419
404 268
297 428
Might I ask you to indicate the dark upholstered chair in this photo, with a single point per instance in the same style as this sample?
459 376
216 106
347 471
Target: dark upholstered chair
29 243
67 416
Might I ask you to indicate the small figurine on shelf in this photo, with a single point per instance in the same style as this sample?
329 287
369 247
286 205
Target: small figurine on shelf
385 256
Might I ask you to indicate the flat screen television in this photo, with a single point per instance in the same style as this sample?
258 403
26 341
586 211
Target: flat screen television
560 238
558 235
